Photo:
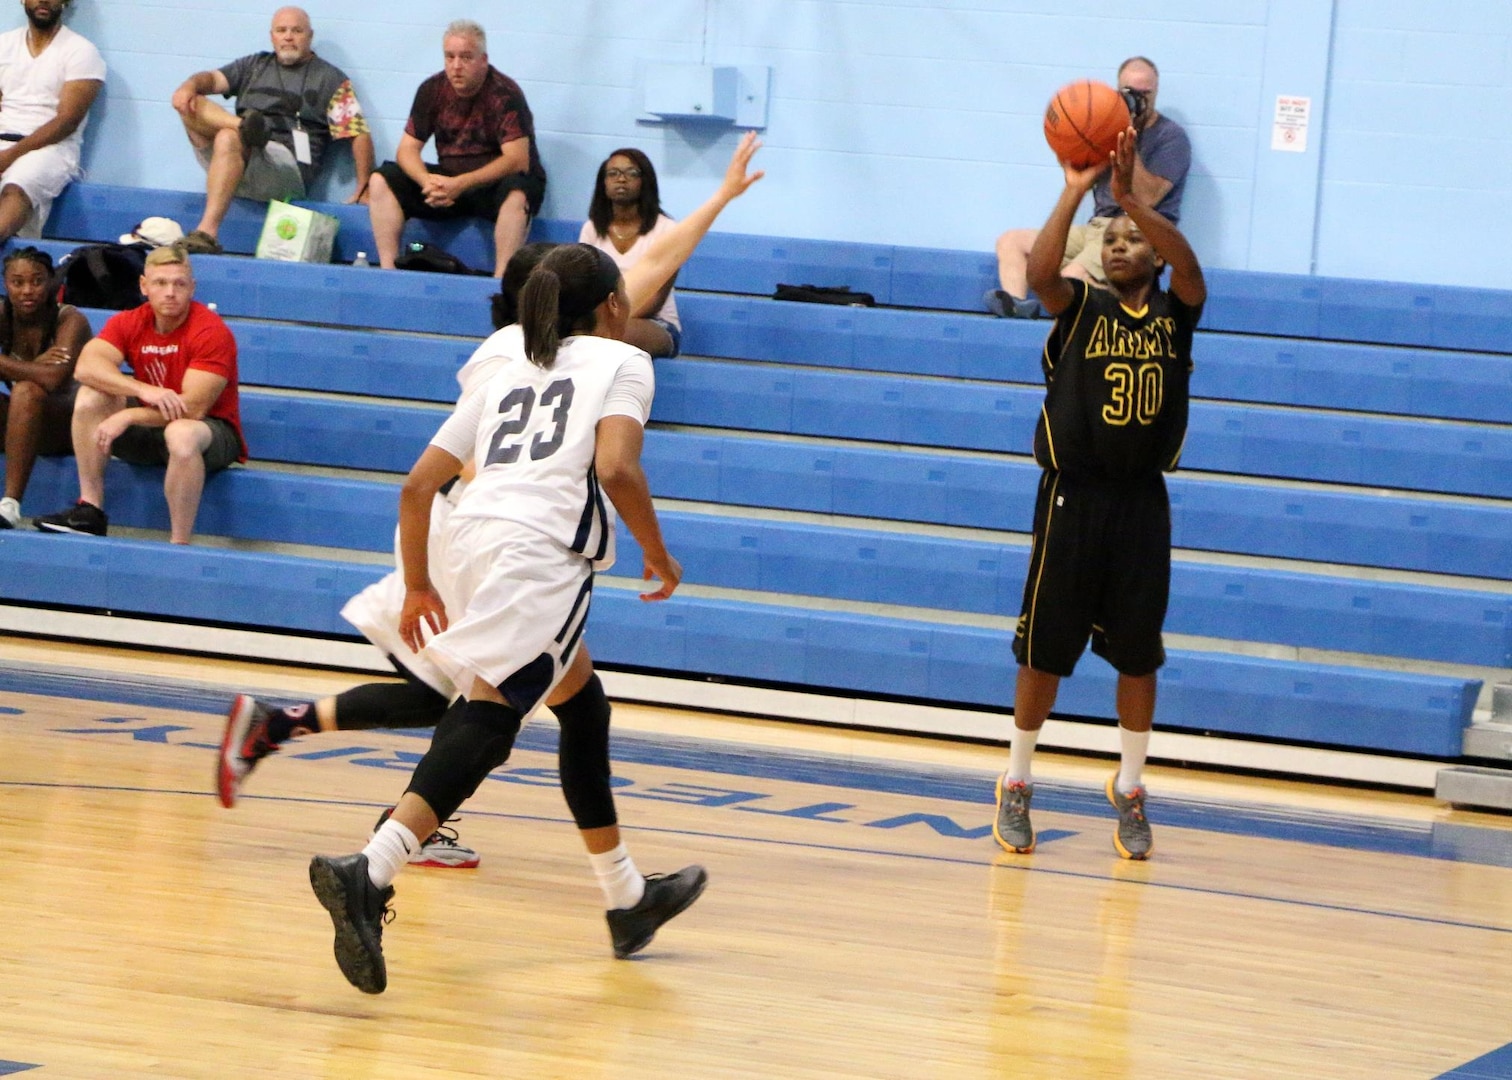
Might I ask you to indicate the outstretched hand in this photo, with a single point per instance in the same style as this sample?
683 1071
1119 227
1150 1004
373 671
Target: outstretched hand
1123 166
737 181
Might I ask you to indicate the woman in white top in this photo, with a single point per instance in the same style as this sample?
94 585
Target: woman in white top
555 435
624 217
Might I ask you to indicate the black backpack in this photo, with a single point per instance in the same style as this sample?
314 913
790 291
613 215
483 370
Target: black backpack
421 255
825 294
103 276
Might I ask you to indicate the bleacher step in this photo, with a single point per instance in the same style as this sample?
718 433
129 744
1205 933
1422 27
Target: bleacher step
1489 740
1473 786
1501 703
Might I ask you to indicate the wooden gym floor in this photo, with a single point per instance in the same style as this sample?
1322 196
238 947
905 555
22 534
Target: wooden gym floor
860 921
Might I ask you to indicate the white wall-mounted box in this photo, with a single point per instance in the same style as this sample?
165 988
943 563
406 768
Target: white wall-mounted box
699 93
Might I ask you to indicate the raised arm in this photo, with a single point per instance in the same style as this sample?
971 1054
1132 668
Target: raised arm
666 254
1187 283
1049 250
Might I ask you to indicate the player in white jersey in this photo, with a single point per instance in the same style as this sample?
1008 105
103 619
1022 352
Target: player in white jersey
255 729
551 434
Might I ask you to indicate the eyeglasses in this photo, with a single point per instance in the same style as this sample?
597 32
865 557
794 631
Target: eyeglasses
622 174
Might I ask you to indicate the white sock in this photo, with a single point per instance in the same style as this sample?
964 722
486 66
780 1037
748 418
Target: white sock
622 883
387 851
1021 755
1136 744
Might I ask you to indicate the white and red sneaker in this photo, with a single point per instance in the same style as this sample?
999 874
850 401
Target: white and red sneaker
244 744
441 848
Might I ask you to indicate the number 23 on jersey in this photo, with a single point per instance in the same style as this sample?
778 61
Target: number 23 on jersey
544 437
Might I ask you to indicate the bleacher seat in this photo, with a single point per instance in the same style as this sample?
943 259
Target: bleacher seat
1414 714
1359 424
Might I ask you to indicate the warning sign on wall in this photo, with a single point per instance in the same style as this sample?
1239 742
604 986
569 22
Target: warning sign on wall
1289 132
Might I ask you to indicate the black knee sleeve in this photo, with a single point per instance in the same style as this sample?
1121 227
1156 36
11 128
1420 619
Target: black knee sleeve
389 705
583 756
472 740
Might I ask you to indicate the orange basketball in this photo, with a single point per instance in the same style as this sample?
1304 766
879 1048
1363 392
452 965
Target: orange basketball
1083 120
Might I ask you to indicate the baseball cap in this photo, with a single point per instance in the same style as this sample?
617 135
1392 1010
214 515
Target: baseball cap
156 231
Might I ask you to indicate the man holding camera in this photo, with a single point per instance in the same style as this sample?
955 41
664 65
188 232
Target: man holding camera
1160 170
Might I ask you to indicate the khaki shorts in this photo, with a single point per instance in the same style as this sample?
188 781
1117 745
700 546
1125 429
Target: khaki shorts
271 173
1084 247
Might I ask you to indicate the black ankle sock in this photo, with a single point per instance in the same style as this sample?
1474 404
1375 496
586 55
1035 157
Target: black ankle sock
282 723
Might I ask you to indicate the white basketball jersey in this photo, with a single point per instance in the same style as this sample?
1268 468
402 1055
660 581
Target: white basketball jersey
498 348
532 433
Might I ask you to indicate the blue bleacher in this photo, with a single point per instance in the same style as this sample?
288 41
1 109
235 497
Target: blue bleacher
1326 526
1395 397
1285 305
251 504
1304 610
1459 459
1415 714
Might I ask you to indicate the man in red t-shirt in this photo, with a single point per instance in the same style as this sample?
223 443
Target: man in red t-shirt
178 407
485 144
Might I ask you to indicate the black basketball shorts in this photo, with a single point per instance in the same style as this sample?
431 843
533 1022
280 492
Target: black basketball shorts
1100 569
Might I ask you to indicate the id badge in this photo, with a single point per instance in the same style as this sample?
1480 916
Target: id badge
302 146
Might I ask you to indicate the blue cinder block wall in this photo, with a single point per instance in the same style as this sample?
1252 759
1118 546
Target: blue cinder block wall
918 122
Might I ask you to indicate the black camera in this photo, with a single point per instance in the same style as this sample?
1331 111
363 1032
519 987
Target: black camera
1137 100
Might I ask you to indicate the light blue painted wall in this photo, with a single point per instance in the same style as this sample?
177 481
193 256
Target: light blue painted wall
918 121
1418 168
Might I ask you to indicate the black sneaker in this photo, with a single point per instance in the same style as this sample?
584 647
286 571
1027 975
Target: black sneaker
253 130
667 896
359 910
85 519
244 744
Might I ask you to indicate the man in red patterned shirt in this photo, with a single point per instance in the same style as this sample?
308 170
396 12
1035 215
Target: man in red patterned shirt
178 407
488 166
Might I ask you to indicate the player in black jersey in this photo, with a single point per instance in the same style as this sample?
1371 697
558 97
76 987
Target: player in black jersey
1117 364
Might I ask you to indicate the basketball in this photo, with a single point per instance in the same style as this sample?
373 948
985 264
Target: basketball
1083 120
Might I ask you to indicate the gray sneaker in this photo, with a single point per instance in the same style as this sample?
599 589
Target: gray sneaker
1132 837
1011 827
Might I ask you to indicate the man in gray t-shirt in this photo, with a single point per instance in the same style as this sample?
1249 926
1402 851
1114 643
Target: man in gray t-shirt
290 104
1160 172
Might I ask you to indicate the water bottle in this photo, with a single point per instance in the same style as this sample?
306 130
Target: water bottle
361 259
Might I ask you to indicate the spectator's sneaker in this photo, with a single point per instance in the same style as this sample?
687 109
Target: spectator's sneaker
244 744
10 514
1007 306
1132 837
667 895
1011 828
359 910
441 849
253 130
83 518
200 242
